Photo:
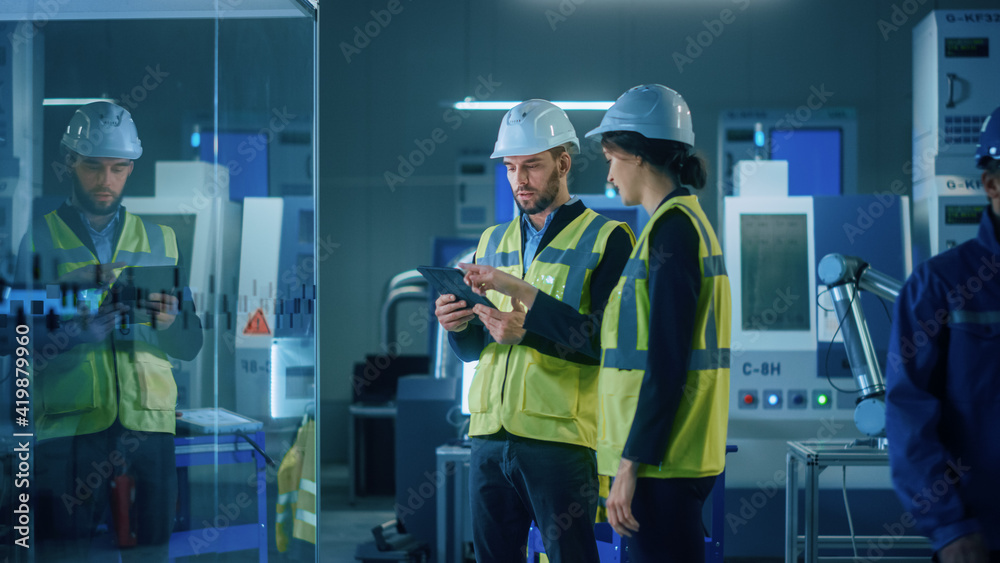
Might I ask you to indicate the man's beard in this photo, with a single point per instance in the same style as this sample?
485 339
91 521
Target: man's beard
88 204
545 197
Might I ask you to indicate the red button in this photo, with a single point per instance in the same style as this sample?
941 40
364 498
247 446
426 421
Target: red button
748 399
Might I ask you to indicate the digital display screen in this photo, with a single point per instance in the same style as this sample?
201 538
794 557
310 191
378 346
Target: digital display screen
963 214
774 272
814 159
739 135
967 47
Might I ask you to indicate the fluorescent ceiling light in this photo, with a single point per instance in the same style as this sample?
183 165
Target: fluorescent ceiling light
472 105
73 101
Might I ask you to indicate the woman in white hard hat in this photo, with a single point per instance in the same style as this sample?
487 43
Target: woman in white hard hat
664 383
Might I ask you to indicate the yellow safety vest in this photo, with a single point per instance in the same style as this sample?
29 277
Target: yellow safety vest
528 393
296 507
82 390
698 437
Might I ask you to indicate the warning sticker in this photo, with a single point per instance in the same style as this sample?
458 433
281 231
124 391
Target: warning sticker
257 325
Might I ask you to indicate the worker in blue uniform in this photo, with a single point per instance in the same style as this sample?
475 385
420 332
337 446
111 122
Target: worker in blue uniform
533 400
943 386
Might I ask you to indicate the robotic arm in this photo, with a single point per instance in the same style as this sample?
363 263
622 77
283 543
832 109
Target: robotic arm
846 275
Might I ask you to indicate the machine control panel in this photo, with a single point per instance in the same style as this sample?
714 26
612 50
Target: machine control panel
784 385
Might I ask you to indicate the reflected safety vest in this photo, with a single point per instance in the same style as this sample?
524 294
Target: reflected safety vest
296 508
83 389
697 442
528 393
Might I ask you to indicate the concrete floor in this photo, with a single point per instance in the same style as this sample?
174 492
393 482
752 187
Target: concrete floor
342 526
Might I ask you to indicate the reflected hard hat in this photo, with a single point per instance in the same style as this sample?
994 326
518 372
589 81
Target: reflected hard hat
652 110
534 126
103 129
989 140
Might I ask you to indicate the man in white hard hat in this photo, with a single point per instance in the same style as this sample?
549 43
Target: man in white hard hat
104 394
533 398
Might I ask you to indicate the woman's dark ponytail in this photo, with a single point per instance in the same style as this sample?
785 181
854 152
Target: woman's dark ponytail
692 170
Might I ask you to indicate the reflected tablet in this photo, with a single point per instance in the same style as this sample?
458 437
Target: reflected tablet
135 283
451 280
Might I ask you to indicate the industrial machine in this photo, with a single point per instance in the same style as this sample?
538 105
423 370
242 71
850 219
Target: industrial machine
791 379
954 90
818 142
273 340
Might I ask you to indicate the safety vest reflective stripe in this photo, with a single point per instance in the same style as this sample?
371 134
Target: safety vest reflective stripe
102 384
709 359
68 255
296 507
303 515
499 259
714 266
528 393
975 317
307 486
628 354
696 444
580 258
700 359
288 498
158 253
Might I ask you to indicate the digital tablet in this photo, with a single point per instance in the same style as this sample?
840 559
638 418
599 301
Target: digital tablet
451 280
135 283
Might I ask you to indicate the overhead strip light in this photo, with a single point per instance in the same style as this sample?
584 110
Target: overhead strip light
73 101
569 106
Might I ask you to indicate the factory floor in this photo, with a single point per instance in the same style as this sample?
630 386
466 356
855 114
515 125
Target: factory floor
343 526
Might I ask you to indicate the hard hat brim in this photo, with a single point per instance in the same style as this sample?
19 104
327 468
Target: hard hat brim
650 132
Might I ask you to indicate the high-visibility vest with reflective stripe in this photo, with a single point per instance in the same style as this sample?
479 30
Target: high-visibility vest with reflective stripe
528 393
698 437
82 390
296 507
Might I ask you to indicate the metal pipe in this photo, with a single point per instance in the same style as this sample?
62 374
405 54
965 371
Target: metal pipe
858 341
882 285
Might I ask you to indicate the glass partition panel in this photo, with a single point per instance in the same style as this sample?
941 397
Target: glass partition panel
158 281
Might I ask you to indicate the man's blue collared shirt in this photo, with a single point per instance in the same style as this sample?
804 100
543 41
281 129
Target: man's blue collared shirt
103 239
532 237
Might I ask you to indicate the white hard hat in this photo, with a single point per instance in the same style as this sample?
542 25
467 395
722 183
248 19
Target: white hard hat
654 111
103 129
534 126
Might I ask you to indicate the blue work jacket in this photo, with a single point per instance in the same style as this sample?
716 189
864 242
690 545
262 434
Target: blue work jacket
943 393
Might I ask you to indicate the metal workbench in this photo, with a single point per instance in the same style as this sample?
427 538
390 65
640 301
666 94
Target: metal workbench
815 456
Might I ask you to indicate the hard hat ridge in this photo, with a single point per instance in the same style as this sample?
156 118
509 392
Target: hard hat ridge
102 129
534 126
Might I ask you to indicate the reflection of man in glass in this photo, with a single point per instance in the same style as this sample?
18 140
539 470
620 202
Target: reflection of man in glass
104 393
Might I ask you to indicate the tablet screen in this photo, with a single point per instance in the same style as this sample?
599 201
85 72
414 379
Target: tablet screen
450 280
